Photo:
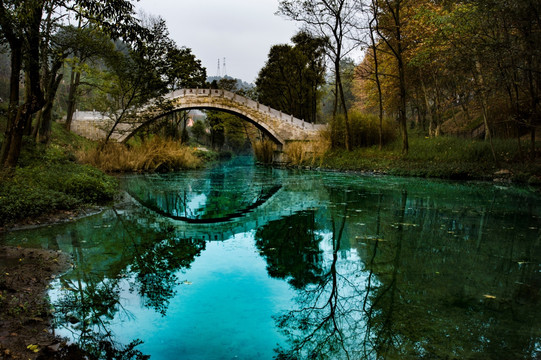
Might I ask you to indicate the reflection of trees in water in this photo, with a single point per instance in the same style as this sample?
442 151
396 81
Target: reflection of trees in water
291 248
323 325
446 289
155 269
147 261
437 282
330 321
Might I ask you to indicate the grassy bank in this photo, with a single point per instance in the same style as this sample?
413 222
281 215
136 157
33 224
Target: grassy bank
48 179
441 157
70 172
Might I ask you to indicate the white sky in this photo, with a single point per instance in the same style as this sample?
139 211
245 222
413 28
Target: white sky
242 31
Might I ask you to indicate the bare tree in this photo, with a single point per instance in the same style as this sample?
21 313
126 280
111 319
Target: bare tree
392 34
333 20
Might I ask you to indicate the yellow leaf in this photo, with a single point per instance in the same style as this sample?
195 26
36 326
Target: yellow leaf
489 296
32 347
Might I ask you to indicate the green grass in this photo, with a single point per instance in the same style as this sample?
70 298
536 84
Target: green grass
441 157
48 179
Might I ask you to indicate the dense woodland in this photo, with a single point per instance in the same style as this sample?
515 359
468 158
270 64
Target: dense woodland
470 68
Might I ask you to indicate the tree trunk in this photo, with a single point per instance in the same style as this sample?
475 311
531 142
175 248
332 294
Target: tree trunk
16 138
16 65
484 106
431 123
334 110
376 72
28 122
343 102
402 119
46 119
74 83
44 132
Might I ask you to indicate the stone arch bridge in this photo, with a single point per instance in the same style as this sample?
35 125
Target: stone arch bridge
278 126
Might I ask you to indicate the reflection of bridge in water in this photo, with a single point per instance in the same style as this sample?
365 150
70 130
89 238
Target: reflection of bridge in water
279 202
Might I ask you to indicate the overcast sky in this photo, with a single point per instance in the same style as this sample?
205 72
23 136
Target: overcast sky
242 31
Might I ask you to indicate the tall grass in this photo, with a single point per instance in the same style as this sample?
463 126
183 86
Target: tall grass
264 151
310 153
152 155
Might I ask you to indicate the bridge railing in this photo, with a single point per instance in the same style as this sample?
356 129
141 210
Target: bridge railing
247 102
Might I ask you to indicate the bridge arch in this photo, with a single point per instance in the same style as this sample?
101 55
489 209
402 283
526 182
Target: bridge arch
278 126
260 125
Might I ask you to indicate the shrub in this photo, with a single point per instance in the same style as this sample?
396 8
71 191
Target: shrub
19 201
39 190
47 179
90 186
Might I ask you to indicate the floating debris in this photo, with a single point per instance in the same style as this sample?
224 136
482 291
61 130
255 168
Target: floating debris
368 237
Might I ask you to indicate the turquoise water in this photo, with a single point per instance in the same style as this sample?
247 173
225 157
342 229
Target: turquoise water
242 262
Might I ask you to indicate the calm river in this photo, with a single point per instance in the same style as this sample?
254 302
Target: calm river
242 262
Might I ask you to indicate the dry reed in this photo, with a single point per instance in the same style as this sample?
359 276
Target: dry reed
307 153
155 154
264 151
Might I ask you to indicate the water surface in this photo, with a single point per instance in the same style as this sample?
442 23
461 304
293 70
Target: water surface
241 262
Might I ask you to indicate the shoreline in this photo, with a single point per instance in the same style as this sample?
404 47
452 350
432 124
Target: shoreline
25 312
54 218
25 275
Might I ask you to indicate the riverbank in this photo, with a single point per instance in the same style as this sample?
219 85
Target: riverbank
25 314
442 158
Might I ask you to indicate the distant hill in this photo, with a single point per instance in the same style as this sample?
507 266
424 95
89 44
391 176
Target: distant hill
241 85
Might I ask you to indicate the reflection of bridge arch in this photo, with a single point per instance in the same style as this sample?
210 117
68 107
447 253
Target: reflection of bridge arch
283 202
236 214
